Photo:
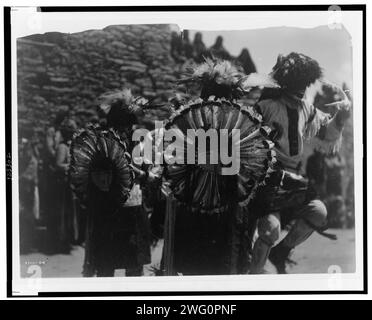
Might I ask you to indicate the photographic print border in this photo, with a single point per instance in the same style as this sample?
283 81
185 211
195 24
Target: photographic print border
8 144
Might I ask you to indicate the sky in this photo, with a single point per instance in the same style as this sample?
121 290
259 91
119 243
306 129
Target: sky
331 48
264 33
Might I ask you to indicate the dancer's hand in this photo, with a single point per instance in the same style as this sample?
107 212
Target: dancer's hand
343 104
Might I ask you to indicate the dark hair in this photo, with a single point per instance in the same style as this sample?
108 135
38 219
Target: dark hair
68 128
185 34
296 71
120 117
122 108
198 37
219 40
60 117
102 164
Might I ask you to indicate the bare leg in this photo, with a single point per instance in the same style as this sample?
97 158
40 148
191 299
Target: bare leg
268 235
316 213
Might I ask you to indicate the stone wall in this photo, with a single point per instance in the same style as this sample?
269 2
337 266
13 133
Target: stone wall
59 71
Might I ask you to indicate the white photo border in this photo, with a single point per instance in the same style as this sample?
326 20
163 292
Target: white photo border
353 22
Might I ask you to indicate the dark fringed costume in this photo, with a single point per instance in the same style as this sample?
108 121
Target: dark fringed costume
205 224
117 227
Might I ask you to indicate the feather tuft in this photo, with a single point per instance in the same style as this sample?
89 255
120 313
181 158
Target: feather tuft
124 99
215 70
221 79
258 80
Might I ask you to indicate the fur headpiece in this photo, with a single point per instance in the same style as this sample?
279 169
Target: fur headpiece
295 72
121 107
122 99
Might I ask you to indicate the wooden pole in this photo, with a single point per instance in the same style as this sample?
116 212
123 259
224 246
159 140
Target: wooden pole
169 224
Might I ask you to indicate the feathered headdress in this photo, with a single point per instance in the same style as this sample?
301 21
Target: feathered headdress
94 149
121 107
124 99
296 71
220 78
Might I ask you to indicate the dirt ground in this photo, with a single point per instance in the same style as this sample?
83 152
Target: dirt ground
316 255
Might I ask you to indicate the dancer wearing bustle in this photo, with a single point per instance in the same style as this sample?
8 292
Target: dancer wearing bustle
211 198
107 183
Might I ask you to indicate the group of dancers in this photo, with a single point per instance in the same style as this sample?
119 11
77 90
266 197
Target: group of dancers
212 224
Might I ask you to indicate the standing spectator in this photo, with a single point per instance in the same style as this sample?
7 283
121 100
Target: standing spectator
316 171
335 165
61 221
53 135
218 50
337 212
245 60
48 169
28 194
187 47
349 202
176 47
200 50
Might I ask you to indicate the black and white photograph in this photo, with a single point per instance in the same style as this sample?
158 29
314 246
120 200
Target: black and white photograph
187 151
